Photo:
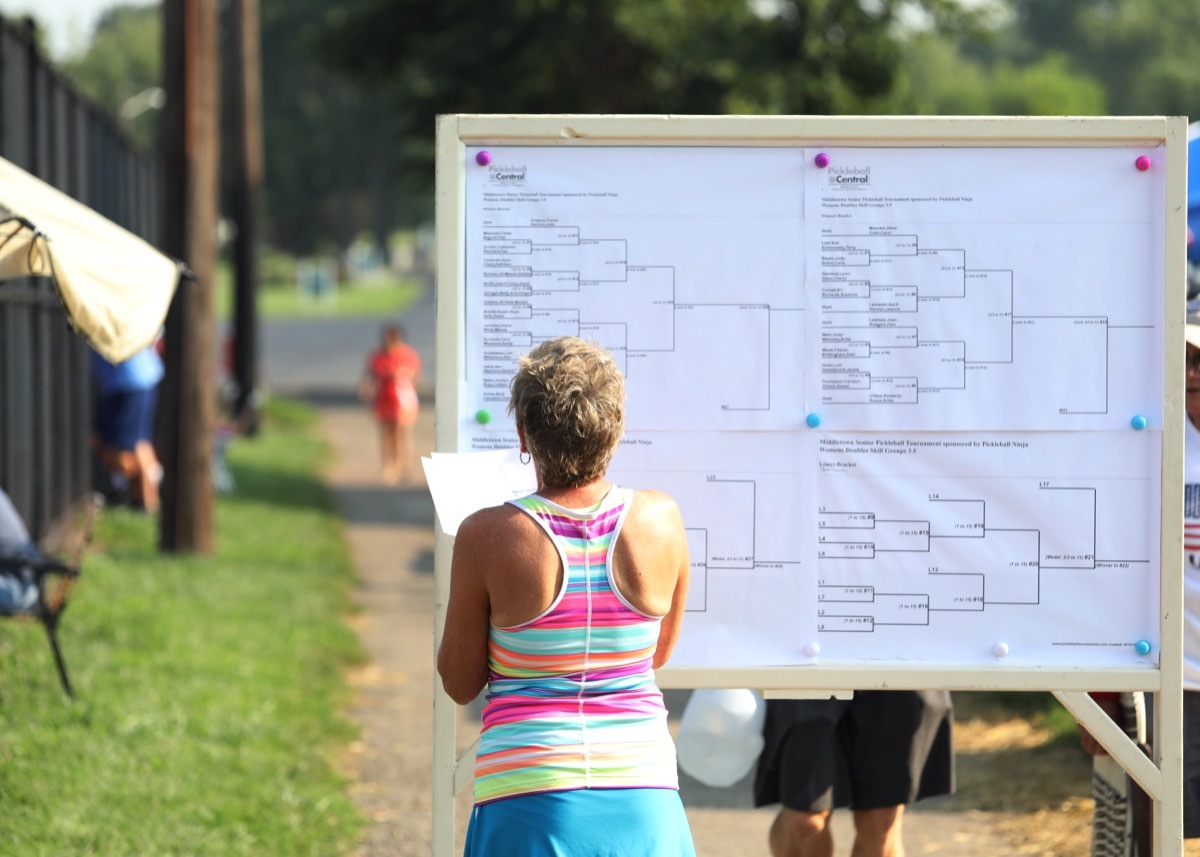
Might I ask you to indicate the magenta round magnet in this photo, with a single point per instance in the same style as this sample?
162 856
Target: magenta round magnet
821 160
483 159
1143 163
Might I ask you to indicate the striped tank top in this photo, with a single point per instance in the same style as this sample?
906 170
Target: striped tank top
572 702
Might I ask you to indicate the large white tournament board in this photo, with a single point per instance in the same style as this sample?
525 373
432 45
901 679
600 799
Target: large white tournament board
914 382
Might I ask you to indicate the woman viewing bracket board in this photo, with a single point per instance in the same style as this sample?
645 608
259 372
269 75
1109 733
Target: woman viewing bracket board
836 359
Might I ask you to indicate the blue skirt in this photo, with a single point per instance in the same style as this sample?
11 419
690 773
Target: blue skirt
582 823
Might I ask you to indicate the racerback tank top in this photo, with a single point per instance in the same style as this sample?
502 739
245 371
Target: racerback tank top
572 702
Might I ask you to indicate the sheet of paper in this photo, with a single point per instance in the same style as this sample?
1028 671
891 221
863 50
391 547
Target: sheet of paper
462 483
928 546
971 348
941 546
752 598
685 263
984 289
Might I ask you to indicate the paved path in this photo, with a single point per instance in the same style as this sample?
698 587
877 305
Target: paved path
390 533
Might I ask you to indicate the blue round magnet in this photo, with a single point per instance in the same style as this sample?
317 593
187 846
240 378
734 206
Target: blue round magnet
813 420
1138 422
1142 647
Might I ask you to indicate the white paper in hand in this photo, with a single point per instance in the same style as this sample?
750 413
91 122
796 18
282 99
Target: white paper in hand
465 482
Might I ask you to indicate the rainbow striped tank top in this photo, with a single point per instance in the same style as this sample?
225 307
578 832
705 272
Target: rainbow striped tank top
572 702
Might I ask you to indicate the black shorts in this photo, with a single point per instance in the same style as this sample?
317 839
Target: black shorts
881 748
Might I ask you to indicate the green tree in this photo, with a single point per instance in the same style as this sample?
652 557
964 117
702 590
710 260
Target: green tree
1142 51
122 68
621 56
938 78
329 144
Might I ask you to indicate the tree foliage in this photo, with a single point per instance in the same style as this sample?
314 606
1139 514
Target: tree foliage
1143 52
352 87
330 145
123 62
940 78
621 56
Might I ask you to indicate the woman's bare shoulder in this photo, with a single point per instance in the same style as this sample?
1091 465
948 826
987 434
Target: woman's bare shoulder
655 509
482 521
494 528
650 499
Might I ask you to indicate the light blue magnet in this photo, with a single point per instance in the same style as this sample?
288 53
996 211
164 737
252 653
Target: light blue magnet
1138 422
1142 647
813 420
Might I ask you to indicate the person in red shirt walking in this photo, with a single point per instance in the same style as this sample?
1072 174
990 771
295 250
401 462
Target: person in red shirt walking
389 384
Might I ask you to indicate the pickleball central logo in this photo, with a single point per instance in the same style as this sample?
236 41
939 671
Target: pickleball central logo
849 177
506 174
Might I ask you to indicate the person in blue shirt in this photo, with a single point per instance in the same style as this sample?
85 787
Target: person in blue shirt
126 399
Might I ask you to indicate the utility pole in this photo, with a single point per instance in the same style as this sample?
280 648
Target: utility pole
246 196
190 156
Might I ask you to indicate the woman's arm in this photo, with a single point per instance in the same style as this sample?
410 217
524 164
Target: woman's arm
672 623
462 656
367 380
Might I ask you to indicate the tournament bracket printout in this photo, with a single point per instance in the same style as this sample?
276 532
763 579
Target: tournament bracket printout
891 394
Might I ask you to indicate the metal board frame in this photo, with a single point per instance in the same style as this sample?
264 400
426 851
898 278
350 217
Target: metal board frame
1161 775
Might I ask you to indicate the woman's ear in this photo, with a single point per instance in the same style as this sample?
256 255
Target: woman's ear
521 438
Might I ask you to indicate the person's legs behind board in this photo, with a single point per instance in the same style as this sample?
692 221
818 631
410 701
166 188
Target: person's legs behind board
801 834
802 769
874 753
877 832
898 749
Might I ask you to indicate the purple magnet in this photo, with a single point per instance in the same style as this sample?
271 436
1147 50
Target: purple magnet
483 159
821 160
1142 163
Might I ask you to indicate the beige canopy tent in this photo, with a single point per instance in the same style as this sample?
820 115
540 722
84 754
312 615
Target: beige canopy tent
115 286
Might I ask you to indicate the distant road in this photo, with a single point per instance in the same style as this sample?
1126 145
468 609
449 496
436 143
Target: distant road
324 356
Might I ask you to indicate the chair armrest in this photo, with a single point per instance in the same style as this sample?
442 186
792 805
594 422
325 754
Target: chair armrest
39 571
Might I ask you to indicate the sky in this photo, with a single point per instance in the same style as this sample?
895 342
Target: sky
68 24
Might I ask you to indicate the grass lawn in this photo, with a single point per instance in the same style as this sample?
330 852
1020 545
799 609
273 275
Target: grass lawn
353 298
207 688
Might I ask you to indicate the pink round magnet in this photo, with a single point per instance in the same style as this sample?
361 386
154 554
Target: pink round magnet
821 160
483 159
1142 163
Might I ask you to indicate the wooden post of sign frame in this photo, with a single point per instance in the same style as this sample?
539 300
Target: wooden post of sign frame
1160 776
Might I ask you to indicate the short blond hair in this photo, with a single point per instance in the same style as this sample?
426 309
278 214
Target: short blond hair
568 397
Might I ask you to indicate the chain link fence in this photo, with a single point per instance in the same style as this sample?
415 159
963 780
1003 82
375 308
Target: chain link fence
50 130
